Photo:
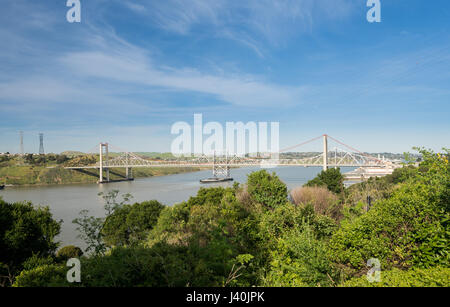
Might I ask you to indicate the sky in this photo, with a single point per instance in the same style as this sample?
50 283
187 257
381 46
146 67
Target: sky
132 68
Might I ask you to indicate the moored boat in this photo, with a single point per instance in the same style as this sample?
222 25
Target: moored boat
215 179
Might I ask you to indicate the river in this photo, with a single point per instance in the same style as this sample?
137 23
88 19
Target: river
66 201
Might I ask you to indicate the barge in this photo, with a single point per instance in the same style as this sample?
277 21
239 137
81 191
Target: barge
216 179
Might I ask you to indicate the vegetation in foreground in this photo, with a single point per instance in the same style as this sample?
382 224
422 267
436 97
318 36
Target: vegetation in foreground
321 234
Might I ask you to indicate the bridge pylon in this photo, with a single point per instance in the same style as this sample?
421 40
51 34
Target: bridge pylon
128 170
103 165
325 152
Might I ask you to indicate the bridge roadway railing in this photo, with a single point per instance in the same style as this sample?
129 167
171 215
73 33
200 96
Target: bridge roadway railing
259 163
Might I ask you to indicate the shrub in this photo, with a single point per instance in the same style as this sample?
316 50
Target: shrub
68 252
266 189
433 277
323 201
25 231
130 224
332 179
300 259
36 261
43 276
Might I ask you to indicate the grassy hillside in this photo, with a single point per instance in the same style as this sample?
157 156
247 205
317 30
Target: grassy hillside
49 169
41 175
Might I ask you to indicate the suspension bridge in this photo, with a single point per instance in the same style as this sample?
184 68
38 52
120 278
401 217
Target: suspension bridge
342 156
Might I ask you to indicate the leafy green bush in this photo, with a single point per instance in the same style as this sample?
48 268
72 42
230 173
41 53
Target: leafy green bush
42 276
331 178
433 277
130 224
300 259
161 265
90 227
25 231
267 189
69 251
36 261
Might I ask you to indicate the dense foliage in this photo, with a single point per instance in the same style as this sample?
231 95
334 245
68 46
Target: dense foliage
25 231
416 277
130 224
332 179
410 228
253 234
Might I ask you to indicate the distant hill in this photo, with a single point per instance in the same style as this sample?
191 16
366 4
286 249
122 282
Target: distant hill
155 155
72 153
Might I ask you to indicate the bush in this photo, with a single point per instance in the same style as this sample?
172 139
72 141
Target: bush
266 189
213 229
36 261
68 252
162 265
25 231
323 201
300 259
332 179
43 276
130 224
433 277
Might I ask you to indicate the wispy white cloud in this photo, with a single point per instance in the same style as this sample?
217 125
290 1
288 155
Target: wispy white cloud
179 16
241 90
272 22
138 8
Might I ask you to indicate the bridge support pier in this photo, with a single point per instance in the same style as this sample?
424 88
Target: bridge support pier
102 164
325 152
129 172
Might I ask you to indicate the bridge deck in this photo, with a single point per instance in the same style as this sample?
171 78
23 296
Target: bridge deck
230 165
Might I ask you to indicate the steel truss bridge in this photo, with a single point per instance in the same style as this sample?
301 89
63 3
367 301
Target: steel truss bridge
221 163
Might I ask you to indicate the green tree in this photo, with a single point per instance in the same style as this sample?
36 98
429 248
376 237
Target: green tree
130 224
60 159
90 227
25 231
67 252
267 189
331 178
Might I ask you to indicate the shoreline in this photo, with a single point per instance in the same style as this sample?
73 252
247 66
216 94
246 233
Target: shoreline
95 181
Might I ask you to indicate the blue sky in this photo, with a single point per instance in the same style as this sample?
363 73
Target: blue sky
132 68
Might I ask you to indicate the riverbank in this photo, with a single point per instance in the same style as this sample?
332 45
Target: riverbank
43 176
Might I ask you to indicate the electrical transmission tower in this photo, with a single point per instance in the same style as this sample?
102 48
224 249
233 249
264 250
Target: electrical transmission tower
21 143
41 143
